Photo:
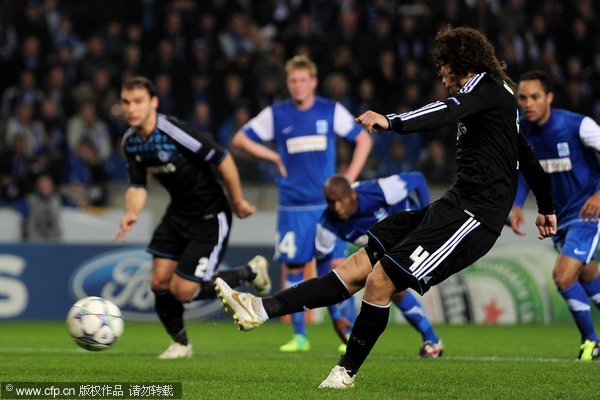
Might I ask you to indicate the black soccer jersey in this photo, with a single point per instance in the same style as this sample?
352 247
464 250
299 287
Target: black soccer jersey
182 160
489 147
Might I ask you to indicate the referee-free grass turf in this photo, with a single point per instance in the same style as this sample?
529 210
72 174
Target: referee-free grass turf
480 362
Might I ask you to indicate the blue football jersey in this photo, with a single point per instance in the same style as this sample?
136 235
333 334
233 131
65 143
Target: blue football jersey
377 199
305 140
566 146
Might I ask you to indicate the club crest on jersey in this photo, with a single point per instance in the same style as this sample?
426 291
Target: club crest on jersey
163 156
563 149
322 126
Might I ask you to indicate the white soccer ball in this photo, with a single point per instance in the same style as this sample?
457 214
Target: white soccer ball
95 323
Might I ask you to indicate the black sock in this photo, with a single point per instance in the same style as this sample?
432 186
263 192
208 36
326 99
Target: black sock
369 325
170 313
233 277
316 292
237 275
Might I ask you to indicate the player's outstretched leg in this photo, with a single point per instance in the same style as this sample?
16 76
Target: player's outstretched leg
240 305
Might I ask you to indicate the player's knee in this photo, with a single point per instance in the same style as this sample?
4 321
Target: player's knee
183 296
158 284
564 280
379 289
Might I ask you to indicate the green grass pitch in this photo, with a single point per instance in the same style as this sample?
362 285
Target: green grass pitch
480 362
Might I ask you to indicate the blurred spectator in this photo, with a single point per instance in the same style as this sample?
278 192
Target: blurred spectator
42 212
95 57
65 36
336 88
201 119
87 125
234 39
55 161
87 182
55 87
366 98
241 114
98 90
25 124
436 165
113 40
15 174
167 101
304 33
25 92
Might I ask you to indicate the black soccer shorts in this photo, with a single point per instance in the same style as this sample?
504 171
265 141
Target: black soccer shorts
419 249
199 245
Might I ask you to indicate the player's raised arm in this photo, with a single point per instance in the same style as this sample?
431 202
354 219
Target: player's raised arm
373 121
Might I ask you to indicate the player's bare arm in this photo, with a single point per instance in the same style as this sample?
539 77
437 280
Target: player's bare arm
590 211
517 218
231 179
243 143
135 199
373 121
360 155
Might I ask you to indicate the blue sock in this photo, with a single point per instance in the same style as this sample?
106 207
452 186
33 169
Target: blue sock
592 289
415 315
293 279
577 301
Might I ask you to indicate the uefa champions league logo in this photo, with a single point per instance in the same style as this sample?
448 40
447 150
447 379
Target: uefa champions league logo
123 277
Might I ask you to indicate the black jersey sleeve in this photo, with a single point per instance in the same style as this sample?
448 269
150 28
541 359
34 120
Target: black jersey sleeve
472 99
201 145
536 177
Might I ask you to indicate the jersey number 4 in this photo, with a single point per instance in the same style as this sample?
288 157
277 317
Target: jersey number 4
287 245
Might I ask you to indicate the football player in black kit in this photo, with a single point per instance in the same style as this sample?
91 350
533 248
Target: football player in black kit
190 241
419 249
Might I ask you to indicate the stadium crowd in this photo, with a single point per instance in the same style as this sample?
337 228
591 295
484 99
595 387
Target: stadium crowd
216 63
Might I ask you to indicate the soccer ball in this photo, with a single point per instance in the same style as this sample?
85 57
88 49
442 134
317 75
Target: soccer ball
95 323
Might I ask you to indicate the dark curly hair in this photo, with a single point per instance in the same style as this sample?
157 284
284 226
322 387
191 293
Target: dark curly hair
466 50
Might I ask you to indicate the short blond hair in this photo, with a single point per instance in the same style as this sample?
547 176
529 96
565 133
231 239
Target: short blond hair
301 62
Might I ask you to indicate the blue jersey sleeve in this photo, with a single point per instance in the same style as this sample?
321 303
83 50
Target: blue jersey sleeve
415 182
522 192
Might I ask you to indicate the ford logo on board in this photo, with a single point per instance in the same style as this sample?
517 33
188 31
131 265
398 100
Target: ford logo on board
123 277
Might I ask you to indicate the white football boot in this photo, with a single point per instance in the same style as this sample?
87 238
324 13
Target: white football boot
240 305
338 379
177 350
262 281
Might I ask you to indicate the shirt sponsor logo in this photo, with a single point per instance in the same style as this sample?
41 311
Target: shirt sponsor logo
306 143
556 165
322 126
163 169
563 149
